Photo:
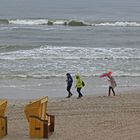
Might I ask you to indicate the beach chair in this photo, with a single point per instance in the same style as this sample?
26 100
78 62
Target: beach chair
3 118
41 124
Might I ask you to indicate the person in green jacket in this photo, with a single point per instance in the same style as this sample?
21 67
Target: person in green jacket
79 85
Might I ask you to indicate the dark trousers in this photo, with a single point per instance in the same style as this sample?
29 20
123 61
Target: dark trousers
68 89
111 88
79 91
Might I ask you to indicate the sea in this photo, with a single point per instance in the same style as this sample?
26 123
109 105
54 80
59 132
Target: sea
44 39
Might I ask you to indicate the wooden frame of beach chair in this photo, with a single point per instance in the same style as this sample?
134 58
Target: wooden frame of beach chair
41 124
3 118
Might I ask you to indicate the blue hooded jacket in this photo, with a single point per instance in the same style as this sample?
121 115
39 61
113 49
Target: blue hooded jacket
69 79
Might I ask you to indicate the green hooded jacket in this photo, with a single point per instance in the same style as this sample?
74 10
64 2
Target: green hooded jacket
78 81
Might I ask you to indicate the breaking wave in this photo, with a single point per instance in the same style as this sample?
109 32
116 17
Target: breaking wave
70 22
49 61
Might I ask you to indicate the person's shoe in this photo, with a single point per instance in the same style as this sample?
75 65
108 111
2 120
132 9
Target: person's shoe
81 95
68 96
78 97
71 94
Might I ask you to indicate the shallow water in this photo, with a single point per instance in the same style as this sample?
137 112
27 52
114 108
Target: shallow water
86 36
56 87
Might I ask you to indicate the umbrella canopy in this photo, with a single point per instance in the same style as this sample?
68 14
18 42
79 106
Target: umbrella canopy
106 74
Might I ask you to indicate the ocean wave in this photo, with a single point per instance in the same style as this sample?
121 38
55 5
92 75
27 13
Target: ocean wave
67 58
12 48
29 21
72 22
4 21
48 22
41 76
68 53
54 61
121 24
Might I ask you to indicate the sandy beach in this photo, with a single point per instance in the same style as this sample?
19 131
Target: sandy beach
89 118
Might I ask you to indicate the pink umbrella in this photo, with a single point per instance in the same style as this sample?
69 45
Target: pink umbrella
106 74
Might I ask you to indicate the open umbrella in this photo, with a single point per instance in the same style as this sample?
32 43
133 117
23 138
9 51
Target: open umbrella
106 74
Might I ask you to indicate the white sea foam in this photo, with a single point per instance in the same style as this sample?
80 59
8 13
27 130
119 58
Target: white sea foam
75 22
29 21
124 24
55 61
73 53
59 22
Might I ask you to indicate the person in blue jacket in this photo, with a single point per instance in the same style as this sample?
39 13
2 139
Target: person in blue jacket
69 81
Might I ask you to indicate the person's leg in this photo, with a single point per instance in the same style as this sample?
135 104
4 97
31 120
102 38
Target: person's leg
69 92
109 91
79 91
113 90
70 89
